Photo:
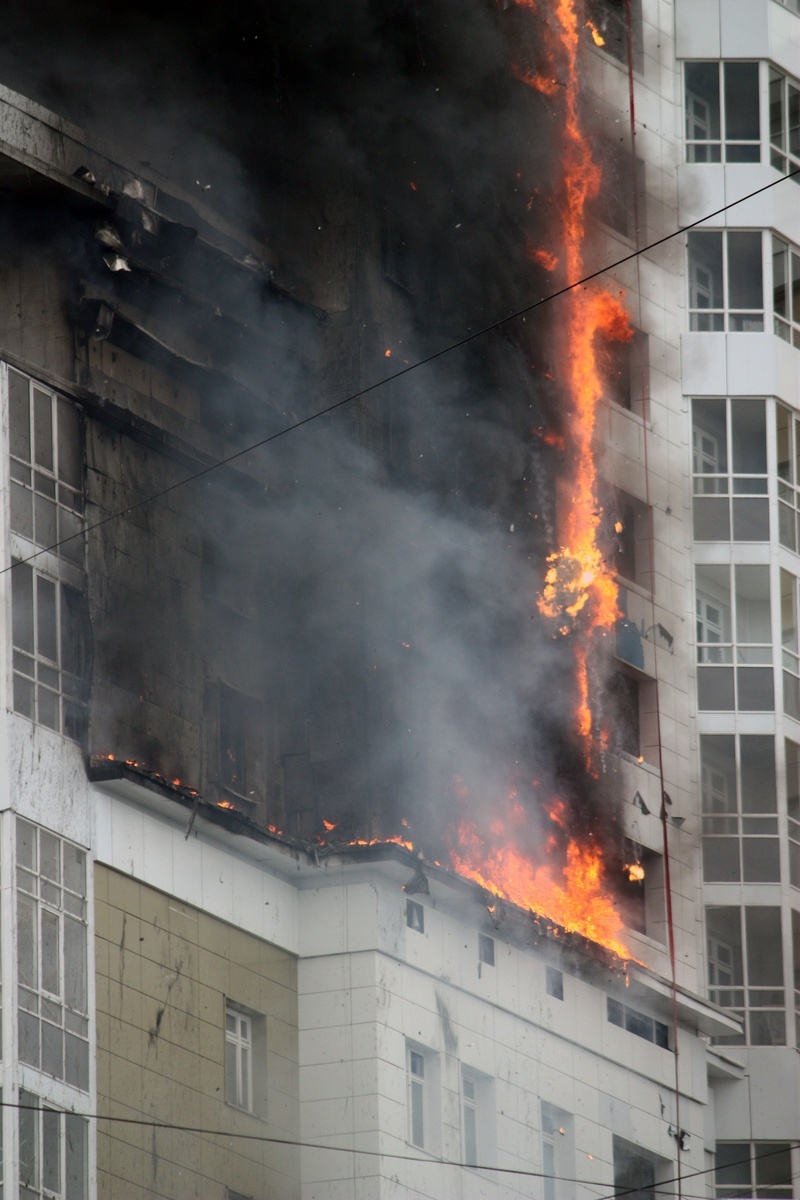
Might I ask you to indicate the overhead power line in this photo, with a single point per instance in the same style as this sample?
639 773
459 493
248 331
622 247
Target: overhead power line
406 370
295 1143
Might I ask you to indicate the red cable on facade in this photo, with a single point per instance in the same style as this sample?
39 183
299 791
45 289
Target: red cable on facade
645 416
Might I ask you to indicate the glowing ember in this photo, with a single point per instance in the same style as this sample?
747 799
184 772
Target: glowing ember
542 257
635 872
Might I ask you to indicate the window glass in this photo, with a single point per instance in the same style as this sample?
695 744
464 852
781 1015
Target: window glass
741 109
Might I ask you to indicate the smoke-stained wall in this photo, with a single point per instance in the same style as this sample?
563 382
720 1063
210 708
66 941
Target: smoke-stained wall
342 625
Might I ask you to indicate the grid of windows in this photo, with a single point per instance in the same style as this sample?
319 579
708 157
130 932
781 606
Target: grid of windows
49 625
740 807
238 1058
762 1169
745 971
726 290
784 122
729 470
722 112
52 955
734 638
53 1152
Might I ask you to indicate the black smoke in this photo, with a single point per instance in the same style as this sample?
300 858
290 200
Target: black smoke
396 170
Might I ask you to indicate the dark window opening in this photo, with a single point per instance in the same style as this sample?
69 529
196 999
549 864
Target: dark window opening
554 983
630 527
486 949
634 1172
609 29
627 372
415 916
241 752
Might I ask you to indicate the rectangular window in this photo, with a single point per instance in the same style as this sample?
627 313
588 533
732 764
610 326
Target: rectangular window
242 744
558 1152
734 639
50 629
238 1058
792 755
53 1152
46 443
415 916
762 1169
52 948
608 24
554 982
486 949
784 121
722 112
637 1023
787 437
740 805
745 971
415 1096
726 291
634 1171
729 471
786 290
630 528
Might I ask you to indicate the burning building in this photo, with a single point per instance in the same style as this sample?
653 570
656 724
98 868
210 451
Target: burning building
380 650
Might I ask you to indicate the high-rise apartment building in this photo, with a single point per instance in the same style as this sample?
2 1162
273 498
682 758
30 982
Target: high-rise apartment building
227 971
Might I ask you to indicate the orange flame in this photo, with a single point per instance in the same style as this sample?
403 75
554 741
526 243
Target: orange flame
597 36
576 901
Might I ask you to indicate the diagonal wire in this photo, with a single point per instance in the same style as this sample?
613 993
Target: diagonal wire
406 370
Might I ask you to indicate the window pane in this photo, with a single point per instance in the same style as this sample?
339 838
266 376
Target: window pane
752 604
760 860
69 444
750 520
773 1164
75 965
417 1123
759 788
725 965
231 1081
46 618
43 429
718 773
780 271
764 946
715 691
470 1136
28 1140
19 415
721 860
755 689
705 270
51 955
733 1165
712 519
51 1151
744 271
702 101
713 608
767 1028
76 1158
27 942
776 115
22 607
749 437
741 101
709 439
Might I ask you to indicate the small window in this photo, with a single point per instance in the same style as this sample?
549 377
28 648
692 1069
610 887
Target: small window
415 1085
238 1058
637 1023
608 26
486 949
415 916
554 983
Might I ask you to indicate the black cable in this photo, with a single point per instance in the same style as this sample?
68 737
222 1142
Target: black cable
422 362
429 1159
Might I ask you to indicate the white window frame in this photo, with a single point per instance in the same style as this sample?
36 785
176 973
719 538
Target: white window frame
42 1123
239 1051
416 1097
